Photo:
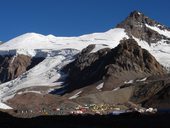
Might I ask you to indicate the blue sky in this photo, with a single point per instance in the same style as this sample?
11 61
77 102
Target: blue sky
73 17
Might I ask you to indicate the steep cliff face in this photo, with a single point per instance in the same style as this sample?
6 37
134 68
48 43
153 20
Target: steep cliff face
136 24
13 66
127 61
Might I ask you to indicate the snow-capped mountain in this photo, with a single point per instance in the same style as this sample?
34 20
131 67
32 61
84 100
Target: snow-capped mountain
33 44
57 52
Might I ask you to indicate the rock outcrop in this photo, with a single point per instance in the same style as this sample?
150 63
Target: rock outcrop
128 61
13 66
161 99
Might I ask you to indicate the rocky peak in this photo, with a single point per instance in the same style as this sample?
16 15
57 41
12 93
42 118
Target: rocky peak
136 26
128 55
138 18
127 61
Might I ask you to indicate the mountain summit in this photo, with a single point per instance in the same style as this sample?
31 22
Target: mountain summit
145 28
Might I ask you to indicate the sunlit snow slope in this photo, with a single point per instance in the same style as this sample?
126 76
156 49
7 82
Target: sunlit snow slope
33 44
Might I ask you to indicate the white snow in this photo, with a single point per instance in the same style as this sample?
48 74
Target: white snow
38 92
75 95
46 73
162 32
28 41
4 106
116 89
141 80
128 82
139 13
98 47
33 44
100 86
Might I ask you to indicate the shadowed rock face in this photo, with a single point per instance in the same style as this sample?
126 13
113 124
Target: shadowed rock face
135 24
161 98
13 66
114 66
154 92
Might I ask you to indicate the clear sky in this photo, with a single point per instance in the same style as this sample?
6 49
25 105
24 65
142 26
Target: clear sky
73 17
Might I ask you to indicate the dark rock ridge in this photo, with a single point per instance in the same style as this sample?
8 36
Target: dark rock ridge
161 99
88 67
135 25
127 61
13 66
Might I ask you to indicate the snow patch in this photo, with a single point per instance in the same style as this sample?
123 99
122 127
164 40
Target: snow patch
129 82
75 96
13 58
139 13
116 89
4 106
141 80
38 92
100 86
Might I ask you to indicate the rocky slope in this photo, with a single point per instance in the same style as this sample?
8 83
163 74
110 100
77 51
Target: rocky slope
127 61
161 99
